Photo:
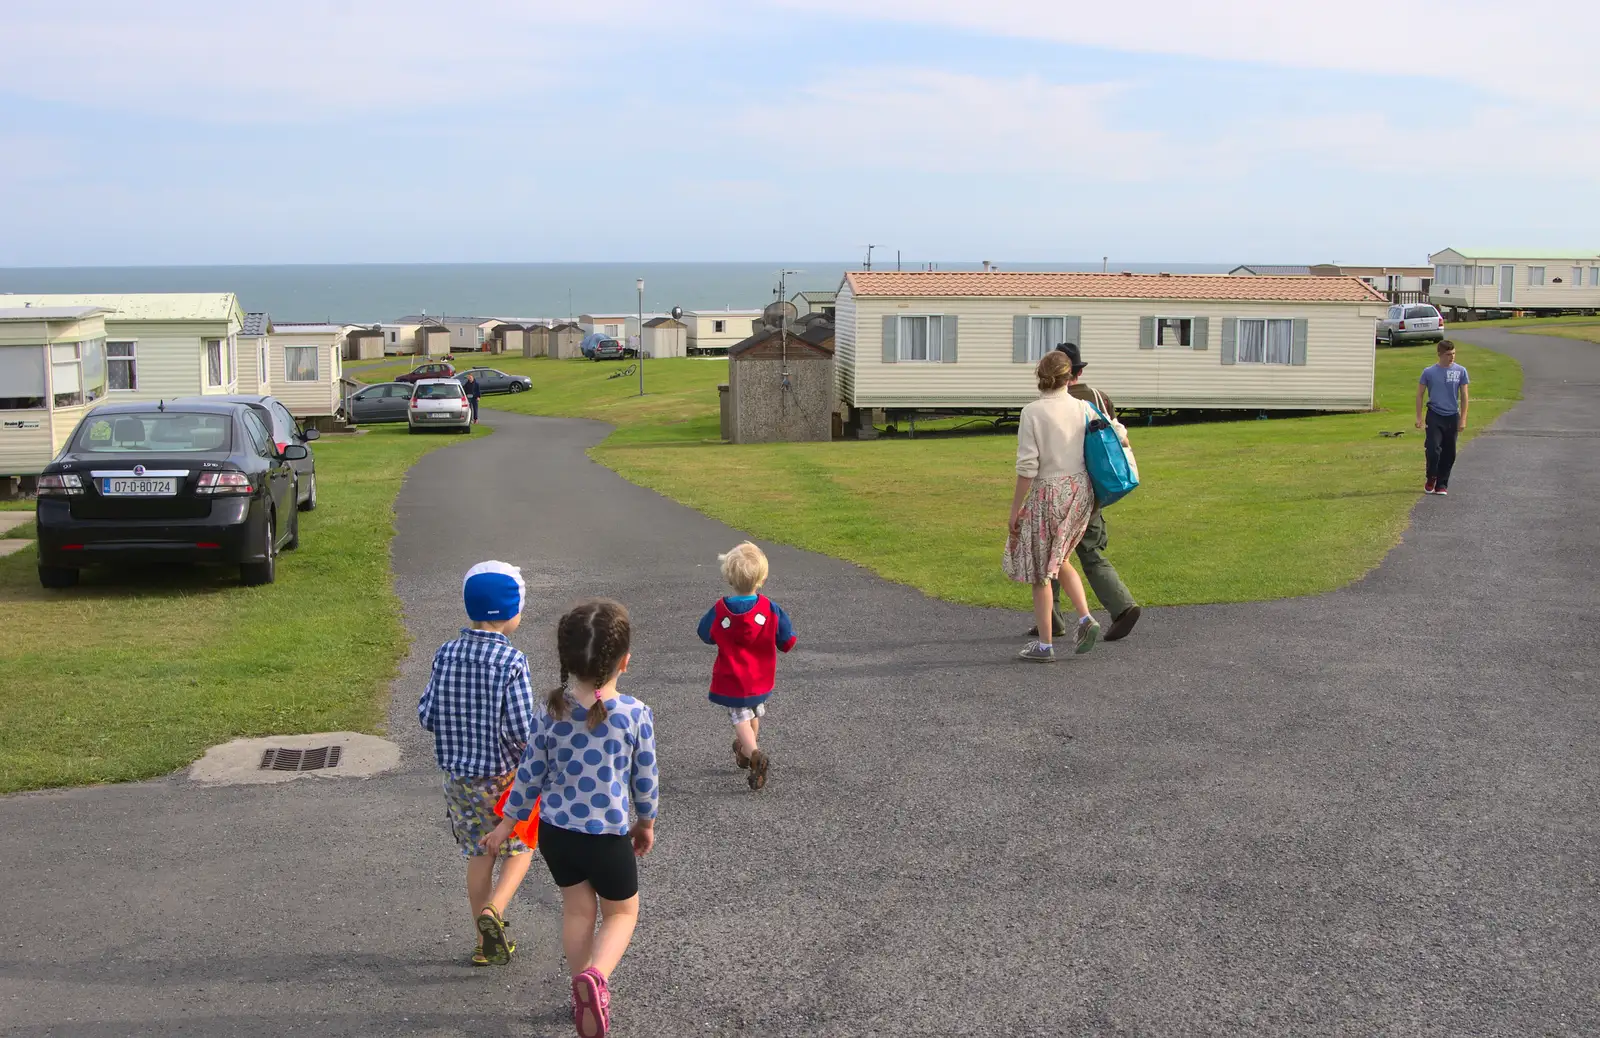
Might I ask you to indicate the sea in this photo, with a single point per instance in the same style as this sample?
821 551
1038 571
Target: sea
372 293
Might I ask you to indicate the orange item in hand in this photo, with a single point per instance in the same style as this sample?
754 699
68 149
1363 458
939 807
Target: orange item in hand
527 832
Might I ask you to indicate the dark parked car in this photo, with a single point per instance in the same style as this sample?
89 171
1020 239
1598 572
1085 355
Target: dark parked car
608 349
493 380
437 369
385 402
285 430
168 482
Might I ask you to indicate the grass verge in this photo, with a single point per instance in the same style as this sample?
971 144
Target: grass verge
133 675
1230 511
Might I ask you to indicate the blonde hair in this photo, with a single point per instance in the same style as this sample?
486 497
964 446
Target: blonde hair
1054 371
744 568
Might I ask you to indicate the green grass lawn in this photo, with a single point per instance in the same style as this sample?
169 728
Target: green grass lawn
128 677
25 532
1522 322
1585 332
1229 511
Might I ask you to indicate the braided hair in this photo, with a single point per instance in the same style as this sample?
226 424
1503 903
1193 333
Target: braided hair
591 640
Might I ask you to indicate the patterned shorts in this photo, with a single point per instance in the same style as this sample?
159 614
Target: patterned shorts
741 714
470 807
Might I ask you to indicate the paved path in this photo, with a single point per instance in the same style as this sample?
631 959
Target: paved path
1372 812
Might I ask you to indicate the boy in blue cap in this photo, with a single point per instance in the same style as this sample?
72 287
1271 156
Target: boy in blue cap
479 705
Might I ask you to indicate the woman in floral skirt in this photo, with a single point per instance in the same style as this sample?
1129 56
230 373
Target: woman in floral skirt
1052 504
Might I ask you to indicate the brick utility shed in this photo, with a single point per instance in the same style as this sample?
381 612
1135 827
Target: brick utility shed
781 386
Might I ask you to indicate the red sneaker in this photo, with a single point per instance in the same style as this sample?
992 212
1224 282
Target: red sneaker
1428 487
1440 490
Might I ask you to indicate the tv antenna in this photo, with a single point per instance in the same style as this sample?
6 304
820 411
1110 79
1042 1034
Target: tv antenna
869 256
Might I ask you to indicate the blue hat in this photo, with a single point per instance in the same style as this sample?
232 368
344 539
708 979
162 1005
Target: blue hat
493 591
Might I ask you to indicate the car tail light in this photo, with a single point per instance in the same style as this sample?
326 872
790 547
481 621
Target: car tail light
1402 326
72 547
414 401
63 485
207 544
223 483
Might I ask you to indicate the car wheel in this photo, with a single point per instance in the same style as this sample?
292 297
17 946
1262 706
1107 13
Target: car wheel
517 387
310 503
294 531
254 574
57 576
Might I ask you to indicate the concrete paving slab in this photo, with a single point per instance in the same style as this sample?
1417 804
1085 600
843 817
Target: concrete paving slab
239 762
12 545
11 520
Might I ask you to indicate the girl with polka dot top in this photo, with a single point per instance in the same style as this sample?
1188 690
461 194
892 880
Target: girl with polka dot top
589 767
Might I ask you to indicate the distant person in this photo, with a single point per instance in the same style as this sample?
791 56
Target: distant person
749 630
474 391
592 761
1108 586
1050 509
480 708
1443 387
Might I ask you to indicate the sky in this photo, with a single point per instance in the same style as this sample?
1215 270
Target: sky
330 131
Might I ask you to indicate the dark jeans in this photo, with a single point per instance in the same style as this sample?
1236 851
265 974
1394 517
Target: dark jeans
474 401
1440 445
1103 579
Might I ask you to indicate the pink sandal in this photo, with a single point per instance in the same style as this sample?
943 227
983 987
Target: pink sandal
591 1004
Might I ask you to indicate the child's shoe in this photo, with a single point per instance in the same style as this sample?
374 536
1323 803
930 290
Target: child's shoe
591 1004
496 950
758 769
739 758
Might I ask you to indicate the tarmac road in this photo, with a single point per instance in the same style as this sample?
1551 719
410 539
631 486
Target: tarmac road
1372 812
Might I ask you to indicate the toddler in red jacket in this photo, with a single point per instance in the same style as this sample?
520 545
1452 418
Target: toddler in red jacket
748 630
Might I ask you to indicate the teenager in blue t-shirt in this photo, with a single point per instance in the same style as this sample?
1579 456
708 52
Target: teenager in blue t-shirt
1443 387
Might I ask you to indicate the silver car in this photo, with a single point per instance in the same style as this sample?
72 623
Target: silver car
439 403
1410 322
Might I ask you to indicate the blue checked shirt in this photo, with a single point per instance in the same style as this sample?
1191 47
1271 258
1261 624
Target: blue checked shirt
479 705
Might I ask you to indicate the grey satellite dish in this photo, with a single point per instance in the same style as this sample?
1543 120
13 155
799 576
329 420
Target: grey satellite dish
779 313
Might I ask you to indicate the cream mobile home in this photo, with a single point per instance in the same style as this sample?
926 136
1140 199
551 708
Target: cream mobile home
255 375
306 364
52 370
715 331
162 344
1467 280
938 340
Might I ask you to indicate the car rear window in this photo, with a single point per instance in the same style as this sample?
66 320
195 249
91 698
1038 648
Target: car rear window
1414 312
159 432
439 392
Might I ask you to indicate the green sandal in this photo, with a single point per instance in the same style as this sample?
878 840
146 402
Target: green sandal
496 949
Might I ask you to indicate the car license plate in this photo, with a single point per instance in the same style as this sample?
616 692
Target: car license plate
442 414
139 486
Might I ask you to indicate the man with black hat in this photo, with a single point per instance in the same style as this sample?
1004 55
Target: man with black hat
1102 576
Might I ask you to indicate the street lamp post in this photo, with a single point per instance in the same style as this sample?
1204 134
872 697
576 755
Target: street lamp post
639 352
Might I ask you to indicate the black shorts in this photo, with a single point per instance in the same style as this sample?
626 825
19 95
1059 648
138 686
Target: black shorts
605 861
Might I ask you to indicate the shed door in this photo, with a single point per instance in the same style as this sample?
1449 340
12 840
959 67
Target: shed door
1507 273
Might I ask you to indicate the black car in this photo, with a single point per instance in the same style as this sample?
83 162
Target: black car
168 482
285 430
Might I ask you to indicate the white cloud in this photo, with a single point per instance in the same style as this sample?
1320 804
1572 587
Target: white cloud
1490 44
301 60
926 121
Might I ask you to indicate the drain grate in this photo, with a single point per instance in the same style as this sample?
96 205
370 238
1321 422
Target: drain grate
277 759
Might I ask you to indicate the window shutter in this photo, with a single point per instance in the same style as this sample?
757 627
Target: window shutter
1147 333
1074 332
1200 333
949 323
1019 339
1297 350
891 324
1230 340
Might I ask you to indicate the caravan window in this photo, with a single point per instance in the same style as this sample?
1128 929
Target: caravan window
300 363
1266 341
921 338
